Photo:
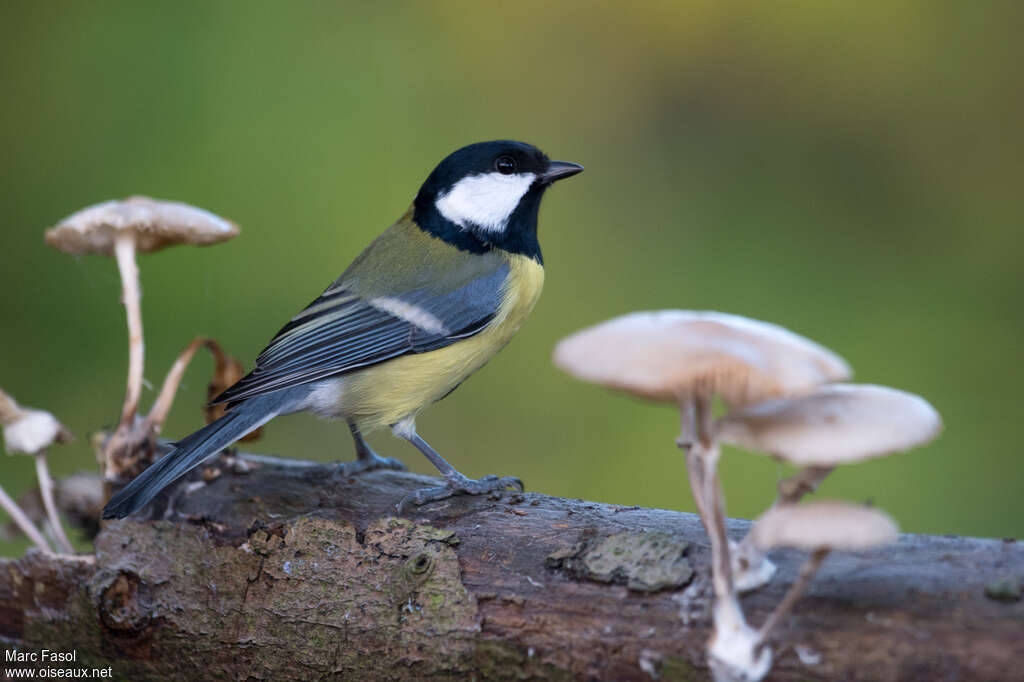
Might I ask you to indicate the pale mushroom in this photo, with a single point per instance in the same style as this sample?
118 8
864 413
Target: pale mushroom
120 228
679 355
31 432
818 527
832 425
688 358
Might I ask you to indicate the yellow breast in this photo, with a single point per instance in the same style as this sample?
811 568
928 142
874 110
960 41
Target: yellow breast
384 394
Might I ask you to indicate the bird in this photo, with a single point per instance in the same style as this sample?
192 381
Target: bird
425 305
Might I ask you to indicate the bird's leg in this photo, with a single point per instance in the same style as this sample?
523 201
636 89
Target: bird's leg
455 482
366 458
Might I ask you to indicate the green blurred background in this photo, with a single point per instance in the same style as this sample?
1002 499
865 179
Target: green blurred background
851 171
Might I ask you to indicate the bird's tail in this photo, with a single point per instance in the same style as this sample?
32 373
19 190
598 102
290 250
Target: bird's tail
193 449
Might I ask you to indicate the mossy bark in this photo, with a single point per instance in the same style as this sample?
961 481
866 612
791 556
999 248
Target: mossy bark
285 573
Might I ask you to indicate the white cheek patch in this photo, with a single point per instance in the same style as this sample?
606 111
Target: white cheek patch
484 202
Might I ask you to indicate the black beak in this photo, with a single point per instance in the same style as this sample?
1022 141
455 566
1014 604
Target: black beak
558 170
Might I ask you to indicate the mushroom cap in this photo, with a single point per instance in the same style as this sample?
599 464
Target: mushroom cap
823 525
156 223
31 431
671 355
833 424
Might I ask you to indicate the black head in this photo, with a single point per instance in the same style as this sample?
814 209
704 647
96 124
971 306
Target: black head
487 195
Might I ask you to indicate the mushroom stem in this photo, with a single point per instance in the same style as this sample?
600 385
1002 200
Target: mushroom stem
804 482
714 499
807 572
695 471
46 489
26 525
702 421
697 438
721 563
687 424
754 568
158 413
124 249
687 442
735 652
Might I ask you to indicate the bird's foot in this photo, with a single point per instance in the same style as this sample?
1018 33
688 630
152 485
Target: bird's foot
367 463
461 484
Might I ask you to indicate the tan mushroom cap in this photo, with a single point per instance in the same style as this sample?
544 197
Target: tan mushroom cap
28 431
833 425
156 223
823 525
674 354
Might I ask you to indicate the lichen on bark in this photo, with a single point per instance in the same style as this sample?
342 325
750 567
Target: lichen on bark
644 561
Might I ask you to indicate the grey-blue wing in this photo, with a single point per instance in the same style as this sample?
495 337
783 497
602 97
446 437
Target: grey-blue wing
341 331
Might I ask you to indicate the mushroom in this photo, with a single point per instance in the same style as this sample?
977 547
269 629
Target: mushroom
832 425
674 355
818 527
30 432
120 228
687 358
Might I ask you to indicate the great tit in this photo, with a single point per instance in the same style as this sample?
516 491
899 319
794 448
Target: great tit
425 305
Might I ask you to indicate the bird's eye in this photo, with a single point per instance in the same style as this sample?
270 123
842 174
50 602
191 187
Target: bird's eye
505 165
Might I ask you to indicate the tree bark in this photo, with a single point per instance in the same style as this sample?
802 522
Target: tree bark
286 572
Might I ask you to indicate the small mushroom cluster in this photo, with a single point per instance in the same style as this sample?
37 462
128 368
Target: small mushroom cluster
121 229
30 432
782 398
832 425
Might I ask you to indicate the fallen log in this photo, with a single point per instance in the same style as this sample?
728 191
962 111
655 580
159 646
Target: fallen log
286 572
